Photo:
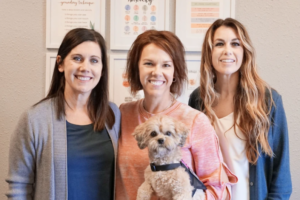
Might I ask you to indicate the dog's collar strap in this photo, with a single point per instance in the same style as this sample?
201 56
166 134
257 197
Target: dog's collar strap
167 167
194 180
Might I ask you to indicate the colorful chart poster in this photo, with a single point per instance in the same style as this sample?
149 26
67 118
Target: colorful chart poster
194 17
121 87
129 18
202 13
139 16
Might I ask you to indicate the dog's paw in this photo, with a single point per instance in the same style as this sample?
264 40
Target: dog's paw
199 195
143 195
144 192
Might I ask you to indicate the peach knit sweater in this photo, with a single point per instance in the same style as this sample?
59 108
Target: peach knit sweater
201 151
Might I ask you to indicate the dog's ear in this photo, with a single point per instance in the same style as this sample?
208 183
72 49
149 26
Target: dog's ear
182 131
140 135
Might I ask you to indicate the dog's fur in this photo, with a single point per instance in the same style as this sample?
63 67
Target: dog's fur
164 137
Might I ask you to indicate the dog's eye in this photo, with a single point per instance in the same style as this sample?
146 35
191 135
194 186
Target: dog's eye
153 134
168 133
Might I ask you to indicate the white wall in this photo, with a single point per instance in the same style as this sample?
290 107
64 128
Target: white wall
22 71
273 26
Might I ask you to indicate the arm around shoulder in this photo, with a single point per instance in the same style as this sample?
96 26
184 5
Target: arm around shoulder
194 100
117 114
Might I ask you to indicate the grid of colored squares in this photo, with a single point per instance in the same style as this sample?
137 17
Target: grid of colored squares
136 18
136 28
139 18
143 8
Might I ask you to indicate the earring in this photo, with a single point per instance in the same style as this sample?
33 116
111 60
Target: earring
174 80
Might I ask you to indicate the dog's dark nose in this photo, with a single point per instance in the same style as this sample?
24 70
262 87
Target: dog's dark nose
160 141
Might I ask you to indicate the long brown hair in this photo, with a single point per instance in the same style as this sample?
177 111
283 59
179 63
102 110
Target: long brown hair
251 106
168 42
98 105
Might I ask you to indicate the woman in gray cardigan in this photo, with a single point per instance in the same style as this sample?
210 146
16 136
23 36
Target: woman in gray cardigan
64 147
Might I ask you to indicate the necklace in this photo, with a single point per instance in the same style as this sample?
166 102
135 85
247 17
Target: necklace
169 106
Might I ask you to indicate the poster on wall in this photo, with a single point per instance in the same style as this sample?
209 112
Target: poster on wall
64 15
193 65
50 63
119 87
194 17
129 18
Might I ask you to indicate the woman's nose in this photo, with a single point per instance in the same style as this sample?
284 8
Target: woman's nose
156 70
228 50
84 66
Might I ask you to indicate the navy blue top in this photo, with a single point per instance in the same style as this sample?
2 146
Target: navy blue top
270 178
90 163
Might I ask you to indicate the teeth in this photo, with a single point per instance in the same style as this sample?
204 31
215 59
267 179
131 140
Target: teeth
157 82
83 78
227 61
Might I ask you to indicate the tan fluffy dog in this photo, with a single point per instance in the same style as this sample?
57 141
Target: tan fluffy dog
164 137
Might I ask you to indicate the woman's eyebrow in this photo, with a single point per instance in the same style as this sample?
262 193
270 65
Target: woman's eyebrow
78 54
96 56
219 39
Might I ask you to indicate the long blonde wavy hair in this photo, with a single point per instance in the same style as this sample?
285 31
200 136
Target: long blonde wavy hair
251 106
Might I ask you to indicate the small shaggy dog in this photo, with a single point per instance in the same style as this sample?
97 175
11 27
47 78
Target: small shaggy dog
167 176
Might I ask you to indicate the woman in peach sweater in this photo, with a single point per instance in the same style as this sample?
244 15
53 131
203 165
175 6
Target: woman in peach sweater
156 65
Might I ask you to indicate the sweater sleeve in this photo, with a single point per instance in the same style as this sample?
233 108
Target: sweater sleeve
21 173
208 160
281 184
117 113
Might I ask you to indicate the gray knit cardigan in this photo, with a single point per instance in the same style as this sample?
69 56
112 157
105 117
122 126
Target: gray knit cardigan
38 154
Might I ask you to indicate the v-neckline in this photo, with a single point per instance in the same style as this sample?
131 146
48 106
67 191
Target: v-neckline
224 116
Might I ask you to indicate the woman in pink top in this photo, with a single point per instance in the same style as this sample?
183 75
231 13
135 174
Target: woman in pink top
156 65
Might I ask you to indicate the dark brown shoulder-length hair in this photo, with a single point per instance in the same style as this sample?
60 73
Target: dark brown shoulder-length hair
98 104
251 105
168 42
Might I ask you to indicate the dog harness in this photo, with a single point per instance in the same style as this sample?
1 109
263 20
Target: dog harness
194 180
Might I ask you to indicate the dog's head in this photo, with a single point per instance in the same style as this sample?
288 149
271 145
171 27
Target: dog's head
161 133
